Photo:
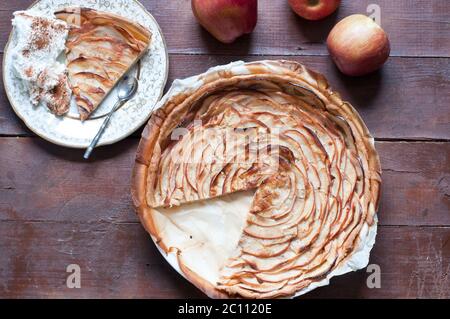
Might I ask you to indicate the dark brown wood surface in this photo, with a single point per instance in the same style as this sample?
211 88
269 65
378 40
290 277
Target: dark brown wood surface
56 209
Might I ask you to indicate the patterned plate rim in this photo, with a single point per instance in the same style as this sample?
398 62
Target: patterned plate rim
102 143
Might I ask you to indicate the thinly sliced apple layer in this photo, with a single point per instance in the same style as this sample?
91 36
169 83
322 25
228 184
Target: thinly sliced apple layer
275 129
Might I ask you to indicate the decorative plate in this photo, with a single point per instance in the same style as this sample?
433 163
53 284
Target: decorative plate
68 130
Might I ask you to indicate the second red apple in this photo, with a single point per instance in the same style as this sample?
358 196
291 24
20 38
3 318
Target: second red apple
226 20
314 9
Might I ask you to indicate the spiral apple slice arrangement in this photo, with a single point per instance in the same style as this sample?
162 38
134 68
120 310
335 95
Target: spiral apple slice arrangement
357 44
275 131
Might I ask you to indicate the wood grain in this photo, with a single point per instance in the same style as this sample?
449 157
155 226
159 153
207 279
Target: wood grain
119 260
415 28
56 209
408 99
41 182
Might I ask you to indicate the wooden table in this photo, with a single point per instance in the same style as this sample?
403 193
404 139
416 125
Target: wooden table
56 209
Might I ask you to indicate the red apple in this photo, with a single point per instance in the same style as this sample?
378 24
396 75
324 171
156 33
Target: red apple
226 20
358 45
314 9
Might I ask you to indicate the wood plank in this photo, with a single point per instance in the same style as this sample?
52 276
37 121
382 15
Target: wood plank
408 99
42 182
116 260
120 261
415 28
416 183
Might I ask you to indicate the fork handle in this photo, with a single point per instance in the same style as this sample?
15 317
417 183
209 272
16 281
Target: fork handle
102 129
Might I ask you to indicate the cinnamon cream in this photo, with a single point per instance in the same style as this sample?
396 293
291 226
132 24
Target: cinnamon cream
39 41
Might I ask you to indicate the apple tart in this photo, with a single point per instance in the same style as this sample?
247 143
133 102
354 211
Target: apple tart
101 48
256 180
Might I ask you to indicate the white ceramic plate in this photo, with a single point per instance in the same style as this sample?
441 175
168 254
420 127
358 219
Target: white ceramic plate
68 130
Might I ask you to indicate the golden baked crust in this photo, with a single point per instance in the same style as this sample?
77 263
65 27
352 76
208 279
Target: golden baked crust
307 155
101 48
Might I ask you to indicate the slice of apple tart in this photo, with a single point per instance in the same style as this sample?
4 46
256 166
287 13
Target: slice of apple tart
256 180
101 48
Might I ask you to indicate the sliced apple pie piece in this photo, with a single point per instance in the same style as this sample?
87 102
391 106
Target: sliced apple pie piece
101 48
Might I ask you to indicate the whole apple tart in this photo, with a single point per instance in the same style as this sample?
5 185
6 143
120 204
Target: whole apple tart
256 180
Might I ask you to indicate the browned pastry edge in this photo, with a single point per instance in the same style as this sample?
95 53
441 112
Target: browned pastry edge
177 106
